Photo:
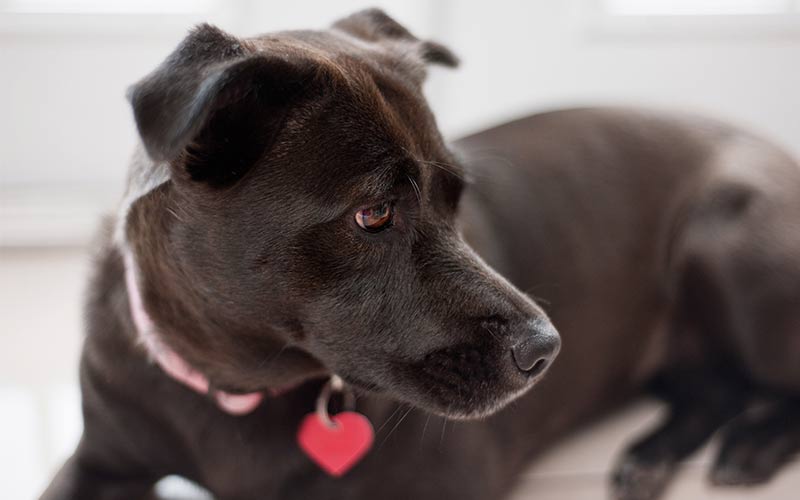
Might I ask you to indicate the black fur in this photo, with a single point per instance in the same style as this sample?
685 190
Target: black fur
665 248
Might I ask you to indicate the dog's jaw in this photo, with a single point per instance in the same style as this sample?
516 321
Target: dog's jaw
462 383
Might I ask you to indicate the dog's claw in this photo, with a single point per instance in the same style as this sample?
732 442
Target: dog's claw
633 479
754 449
730 475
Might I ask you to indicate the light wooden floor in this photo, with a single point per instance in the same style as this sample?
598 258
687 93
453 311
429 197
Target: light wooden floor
40 303
577 469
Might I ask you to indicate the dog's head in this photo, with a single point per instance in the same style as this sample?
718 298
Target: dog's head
308 222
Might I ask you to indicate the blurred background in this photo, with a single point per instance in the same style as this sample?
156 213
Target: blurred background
66 134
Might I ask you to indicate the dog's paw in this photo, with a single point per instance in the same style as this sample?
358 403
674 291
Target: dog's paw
635 479
754 448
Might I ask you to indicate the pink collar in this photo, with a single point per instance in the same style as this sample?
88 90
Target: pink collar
169 361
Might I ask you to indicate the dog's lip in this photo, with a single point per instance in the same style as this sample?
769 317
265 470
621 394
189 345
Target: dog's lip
413 396
405 390
512 384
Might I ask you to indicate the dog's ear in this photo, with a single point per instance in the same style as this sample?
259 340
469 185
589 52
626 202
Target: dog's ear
374 25
215 103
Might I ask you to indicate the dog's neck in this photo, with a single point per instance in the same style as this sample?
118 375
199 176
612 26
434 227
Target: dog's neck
170 361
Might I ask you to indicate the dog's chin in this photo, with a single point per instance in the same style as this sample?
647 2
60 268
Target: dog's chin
441 401
461 382
445 404
481 410
470 400
476 404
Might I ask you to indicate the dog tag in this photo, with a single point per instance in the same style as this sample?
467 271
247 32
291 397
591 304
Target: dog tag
336 446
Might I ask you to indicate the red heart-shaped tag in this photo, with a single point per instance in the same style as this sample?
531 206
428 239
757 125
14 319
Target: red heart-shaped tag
339 447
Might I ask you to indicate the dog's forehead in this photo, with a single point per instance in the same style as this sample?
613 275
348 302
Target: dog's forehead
374 118
344 52
368 130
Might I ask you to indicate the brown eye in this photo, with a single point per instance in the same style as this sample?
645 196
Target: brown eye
377 218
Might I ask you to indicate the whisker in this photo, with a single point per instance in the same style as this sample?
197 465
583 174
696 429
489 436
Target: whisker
174 214
416 188
491 332
445 167
272 359
529 291
400 421
388 418
424 428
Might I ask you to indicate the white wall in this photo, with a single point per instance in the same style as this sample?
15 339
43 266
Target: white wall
66 129
527 55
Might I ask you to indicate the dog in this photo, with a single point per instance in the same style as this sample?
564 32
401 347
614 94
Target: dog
294 224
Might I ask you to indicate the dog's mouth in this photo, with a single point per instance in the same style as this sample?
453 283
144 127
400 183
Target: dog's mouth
472 380
464 381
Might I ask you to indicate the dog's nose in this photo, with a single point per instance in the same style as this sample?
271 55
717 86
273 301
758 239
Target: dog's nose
536 350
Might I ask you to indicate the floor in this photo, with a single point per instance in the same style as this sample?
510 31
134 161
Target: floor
577 469
40 301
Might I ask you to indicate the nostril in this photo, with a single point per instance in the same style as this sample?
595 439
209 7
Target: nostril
527 359
539 367
537 349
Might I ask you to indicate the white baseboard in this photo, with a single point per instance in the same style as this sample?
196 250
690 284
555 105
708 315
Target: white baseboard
53 215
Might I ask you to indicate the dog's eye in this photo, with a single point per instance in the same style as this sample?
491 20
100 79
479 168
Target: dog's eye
377 218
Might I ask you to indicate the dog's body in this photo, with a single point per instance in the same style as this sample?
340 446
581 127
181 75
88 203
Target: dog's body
663 248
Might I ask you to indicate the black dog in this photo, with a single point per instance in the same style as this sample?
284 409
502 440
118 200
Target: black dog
297 214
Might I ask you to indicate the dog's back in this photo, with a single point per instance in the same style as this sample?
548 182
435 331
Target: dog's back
666 249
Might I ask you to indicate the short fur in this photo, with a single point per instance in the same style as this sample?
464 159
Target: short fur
664 248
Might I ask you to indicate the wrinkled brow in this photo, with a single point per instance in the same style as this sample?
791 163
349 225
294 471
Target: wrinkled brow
379 183
370 187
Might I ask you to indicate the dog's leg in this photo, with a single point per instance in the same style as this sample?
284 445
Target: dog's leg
120 455
699 404
753 257
755 446
81 479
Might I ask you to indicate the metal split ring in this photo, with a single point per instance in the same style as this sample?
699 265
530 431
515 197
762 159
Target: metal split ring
334 384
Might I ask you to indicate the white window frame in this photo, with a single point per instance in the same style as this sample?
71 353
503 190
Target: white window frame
602 23
83 18
104 6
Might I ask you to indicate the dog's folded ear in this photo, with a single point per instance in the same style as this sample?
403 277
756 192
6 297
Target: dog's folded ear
374 25
216 102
